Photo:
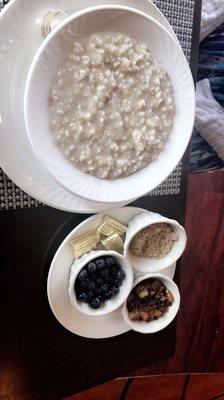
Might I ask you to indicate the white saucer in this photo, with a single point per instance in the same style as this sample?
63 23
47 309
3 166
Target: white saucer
58 280
20 33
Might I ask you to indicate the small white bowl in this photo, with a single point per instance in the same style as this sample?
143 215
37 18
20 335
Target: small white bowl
45 65
109 305
149 265
165 319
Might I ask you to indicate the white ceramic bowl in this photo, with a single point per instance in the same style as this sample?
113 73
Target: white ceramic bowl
147 265
110 305
46 63
165 319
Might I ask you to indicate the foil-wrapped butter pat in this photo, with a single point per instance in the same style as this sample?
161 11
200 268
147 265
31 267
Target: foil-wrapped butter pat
111 225
113 242
105 229
85 243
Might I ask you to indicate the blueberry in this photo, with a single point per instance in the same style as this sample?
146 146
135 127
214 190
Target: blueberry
91 267
115 290
78 284
100 262
91 285
104 274
104 288
111 280
120 275
78 290
82 276
95 303
89 295
84 284
110 261
100 295
117 283
93 276
82 296
113 271
109 295
81 286
99 282
98 291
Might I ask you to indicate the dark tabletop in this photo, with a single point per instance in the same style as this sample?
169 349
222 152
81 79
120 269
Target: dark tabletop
39 359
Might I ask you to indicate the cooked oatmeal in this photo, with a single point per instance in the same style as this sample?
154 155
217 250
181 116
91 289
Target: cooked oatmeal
111 106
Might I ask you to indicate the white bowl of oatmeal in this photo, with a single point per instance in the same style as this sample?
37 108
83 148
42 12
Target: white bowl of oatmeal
153 242
109 104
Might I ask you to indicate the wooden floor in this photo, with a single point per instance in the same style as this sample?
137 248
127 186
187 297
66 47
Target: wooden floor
200 328
173 387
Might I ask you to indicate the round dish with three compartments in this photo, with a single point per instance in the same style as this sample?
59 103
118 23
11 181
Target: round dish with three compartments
105 326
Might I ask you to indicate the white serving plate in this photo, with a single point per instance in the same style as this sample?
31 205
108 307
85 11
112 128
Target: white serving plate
45 65
20 33
58 281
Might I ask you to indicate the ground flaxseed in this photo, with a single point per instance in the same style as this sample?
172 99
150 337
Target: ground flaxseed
154 241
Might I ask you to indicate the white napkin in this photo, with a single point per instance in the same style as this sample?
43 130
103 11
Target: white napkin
209 120
212 16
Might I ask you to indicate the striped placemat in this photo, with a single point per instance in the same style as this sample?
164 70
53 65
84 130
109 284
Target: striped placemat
180 14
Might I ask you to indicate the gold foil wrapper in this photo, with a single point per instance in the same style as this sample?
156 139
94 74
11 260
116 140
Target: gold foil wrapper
113 242
111 228
111 225
85 243
105 230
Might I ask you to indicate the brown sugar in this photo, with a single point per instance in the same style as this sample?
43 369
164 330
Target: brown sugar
154 241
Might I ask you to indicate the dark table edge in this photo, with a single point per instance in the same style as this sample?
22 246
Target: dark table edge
196 37
194 66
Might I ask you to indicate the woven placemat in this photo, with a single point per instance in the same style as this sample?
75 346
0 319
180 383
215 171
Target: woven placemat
180 14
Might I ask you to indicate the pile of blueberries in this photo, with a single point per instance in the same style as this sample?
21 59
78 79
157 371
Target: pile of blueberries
99 281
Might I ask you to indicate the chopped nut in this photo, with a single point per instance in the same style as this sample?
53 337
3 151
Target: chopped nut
134 315
151 315
147 308
144 315
149 300
169 296
157 313
142 292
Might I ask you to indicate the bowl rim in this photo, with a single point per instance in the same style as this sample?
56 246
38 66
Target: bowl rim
159 325
169 258
80 264
27 90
